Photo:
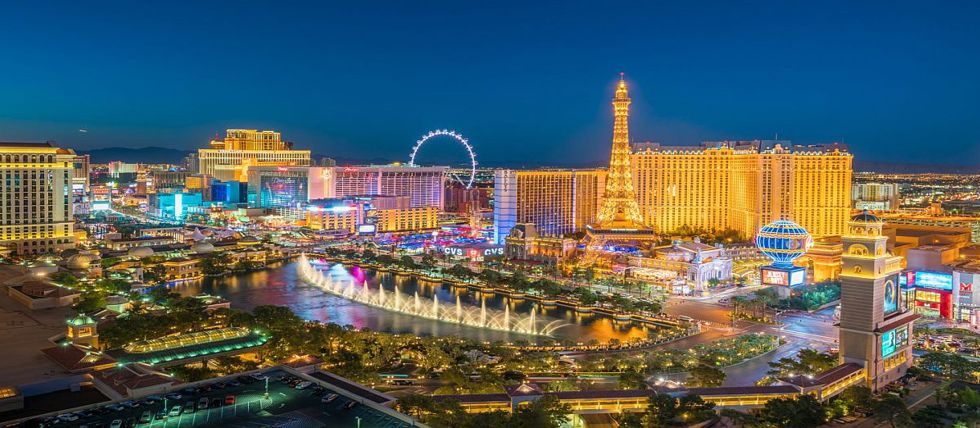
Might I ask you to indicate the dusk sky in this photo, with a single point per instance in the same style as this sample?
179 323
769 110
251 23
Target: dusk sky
531 83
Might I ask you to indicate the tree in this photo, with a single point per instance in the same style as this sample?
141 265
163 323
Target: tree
931 416
631 379
693 409
415 405
545 412
64 278
661 408
705 376
799 412
91 302
857 399
408 262
891 409
215 263
951 365
807 362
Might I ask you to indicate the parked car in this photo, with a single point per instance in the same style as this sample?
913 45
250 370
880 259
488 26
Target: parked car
329 398
229 400
175 411
304 385
146 417
350 405
189 407
116 423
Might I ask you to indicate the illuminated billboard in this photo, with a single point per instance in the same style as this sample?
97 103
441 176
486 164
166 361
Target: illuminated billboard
797 277
933 280
775 277
892 340
891 297
783 277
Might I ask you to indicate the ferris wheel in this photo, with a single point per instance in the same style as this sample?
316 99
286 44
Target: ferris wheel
456 136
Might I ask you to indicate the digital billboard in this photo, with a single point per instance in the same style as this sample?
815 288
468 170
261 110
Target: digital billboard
797 277
891 297
937 281
893 339
775 277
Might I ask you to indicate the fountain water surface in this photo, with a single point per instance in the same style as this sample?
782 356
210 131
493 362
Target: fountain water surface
427 308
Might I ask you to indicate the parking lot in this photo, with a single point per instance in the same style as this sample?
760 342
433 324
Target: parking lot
238 402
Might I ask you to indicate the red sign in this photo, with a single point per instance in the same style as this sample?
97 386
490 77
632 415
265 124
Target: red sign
966 287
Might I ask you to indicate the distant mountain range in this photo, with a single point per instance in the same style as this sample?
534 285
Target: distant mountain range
141 155
175 156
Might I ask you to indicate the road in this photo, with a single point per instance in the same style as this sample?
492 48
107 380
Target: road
800 330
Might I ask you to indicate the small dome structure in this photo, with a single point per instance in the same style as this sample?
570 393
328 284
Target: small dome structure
865 217
202 248
140 252
82 260
249 240
783 241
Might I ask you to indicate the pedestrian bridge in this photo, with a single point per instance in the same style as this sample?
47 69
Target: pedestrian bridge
824 386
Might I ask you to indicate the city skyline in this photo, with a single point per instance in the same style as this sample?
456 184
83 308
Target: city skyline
536 93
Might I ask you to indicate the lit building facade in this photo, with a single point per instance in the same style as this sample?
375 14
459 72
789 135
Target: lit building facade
36 197
247 147
557 202
423 185
743 186
875 196
404 220
875 320
277 186
81 184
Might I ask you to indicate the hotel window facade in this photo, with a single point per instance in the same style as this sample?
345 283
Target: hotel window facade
36 212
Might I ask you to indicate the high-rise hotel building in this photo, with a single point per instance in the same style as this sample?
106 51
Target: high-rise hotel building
743 186
36 197
558 202
226 159
424 186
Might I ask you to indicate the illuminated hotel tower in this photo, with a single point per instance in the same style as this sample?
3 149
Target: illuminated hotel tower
619 216
875 324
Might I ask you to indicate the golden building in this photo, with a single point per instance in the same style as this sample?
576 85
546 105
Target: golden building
742 186
36 214
248 147
324 219
405 220
556 201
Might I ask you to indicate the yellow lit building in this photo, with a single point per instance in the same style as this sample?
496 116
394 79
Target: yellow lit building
556 201
36 197
743 186
405 220
248 147
338 220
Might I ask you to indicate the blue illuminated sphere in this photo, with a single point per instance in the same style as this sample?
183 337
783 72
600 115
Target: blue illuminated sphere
783 241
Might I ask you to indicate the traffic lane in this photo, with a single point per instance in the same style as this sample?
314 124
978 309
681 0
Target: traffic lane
704 311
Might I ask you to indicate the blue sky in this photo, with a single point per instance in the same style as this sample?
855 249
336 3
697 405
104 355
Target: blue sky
527 82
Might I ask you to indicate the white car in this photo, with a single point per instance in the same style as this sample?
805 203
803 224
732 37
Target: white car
304 385
69 417
116 423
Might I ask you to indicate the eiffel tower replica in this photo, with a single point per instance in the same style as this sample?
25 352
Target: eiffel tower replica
619 219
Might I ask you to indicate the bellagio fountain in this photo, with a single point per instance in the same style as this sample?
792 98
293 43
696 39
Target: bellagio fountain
424 307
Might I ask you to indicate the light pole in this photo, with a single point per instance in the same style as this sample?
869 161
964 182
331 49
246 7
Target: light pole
267 387
358 421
